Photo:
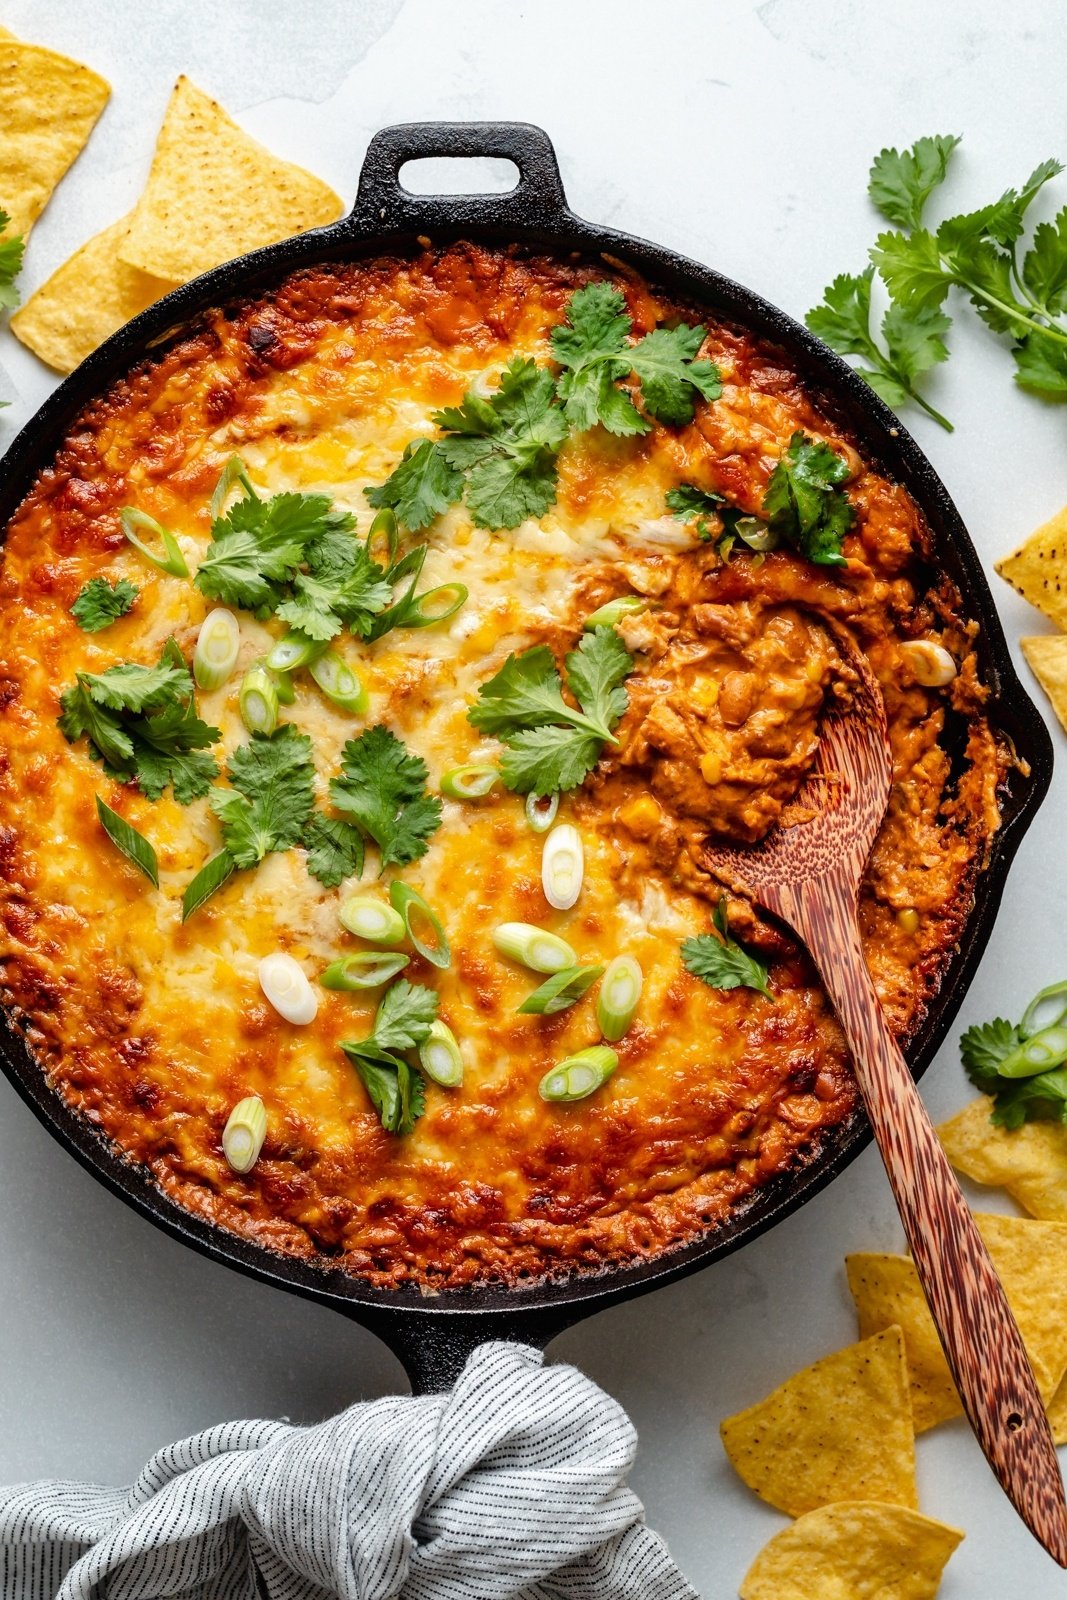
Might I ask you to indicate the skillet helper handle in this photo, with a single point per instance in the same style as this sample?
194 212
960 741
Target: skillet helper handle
973 1319
537 201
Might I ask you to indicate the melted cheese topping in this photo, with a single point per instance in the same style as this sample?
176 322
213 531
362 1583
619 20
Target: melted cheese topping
155 1029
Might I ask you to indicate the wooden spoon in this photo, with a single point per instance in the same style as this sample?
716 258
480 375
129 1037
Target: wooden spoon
809 876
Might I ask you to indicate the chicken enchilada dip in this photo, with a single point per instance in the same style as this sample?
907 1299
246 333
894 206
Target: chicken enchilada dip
376 662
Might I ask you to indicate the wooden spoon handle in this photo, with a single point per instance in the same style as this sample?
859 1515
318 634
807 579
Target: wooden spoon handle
976 1326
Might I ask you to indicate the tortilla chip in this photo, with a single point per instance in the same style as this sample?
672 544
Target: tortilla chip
214 193
1038 569
865 1551
84 301
1047 655
839 1430
1057 1413
1031 1259
1029 1162
48 105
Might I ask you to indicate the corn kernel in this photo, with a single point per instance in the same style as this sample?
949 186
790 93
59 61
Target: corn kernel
640 816
909 919
711 768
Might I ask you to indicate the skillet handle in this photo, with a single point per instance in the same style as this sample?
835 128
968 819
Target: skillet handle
434 1347
382 204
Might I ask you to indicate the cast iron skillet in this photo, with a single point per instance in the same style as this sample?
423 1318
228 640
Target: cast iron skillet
433 1335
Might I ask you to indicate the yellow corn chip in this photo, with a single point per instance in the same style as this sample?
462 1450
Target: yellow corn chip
1038 569
1057 1413
1047 655
839 1430
1031 1259
48 105
214 193
1029 1162
84 301
864 1551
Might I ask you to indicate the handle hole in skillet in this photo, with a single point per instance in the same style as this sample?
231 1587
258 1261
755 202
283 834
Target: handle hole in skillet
459 175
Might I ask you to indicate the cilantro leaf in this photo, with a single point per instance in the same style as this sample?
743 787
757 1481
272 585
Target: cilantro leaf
11 252
101 603
258 545
342 588
1044 268
901 181
671 376
396 1089
405 1016
594 353
421 487
550 745
334 850
912 268
1004 220
141 722
984 1046
1041 366
507 446
722 962
913 340
803 502
272 796
595 673
687 502
382 790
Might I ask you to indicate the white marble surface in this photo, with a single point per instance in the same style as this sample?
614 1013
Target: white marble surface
740 134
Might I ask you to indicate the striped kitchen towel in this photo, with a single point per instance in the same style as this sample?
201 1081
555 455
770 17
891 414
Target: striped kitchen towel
509 1487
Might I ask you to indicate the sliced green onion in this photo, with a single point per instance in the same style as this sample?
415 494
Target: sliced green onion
339 683
293 651
755 534
372 919
563 989
541 811
258 701
283 683
439 1056
212 876
172 561
619 993
285 984
133 845
233 473
383 532
1037 1054
244 1133
534 947
472 782
579 1075
367 969
608 615
435 605
217 645
417 916
409 566
562 866
1044 1011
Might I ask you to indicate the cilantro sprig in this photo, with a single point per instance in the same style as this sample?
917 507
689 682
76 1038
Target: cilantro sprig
498 452
11 253
101 603
594 351
551 745
723 963
1021 1064
718 523
396 1088
1020 293
804 502
141 723
258 546
267 808
381 794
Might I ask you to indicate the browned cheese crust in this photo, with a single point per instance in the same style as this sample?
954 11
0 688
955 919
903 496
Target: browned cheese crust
152 1029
